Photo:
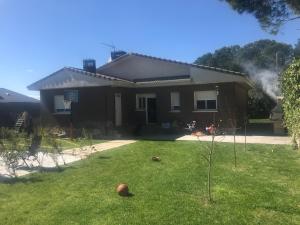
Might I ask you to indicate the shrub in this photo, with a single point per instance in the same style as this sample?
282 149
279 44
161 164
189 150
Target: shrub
13 148
291 100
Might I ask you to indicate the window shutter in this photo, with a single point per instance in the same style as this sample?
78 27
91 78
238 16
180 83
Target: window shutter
59 103
206 95
175 100
201 98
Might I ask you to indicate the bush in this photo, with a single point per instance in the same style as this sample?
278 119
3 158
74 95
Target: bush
291 100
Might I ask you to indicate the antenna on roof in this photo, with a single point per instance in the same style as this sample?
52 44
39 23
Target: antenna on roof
112 46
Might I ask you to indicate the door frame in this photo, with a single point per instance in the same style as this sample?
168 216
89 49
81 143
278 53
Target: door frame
146 96
118 109
147 116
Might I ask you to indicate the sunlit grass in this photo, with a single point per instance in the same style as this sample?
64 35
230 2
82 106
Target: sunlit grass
263 189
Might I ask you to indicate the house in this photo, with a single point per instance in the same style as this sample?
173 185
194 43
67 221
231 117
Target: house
134 90
12 104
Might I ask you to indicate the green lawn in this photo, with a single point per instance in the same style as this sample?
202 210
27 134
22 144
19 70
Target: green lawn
264 189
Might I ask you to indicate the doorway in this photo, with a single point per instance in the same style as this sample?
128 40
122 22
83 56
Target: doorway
151 110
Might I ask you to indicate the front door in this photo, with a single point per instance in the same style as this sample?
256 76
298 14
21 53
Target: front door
118 109
151 110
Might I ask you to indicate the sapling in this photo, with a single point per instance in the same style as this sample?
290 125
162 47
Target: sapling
212 130
88 139
233 130
52 148
84 142
55 149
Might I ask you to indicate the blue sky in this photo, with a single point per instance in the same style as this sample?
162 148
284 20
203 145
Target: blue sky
38 37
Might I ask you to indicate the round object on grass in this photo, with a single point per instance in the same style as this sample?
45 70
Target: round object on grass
155 158
123 190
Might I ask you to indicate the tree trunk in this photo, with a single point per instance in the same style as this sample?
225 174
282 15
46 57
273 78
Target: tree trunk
209 168
234 150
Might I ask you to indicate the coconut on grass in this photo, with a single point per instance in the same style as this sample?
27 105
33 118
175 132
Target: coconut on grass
122 189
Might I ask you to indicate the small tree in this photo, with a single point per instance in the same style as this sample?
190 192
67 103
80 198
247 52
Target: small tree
208 156
54 149
291 100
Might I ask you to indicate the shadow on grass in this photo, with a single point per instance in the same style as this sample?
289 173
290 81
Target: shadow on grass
42 169
14 180
159 137
52 169
128 195
6 179
104 157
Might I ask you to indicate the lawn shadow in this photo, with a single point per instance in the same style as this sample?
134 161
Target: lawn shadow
14 180
8 179
159 137
59 169
128 195
104 157
52 169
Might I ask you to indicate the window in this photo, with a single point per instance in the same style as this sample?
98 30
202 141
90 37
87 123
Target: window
59 104
205 100
140 102
175 101
59 101
71 95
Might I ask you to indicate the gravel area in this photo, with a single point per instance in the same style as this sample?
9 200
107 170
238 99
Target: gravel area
67 156
273 140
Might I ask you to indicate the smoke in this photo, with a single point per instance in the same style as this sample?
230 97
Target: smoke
268 79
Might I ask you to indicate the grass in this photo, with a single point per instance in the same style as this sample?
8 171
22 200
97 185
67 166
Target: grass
264 189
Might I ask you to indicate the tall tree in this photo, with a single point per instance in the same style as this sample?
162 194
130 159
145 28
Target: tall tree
271 14
262 54
262 60
226 57
267 54
297 50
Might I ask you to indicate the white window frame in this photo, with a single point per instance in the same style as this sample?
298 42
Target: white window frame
137 102
205 96
145 96
175 101
72 95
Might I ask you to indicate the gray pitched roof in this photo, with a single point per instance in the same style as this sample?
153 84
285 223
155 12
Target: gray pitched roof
102 68
133 68
36 85
8 96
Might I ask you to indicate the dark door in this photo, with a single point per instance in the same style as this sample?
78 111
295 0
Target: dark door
151 110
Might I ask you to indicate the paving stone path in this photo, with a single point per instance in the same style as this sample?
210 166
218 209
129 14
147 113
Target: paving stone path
274 140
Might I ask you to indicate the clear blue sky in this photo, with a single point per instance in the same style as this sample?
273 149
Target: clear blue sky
38 37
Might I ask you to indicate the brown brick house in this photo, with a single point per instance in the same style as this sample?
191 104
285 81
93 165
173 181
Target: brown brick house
135 89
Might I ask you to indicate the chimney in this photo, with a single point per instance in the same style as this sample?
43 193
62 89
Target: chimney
116 54
89 65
